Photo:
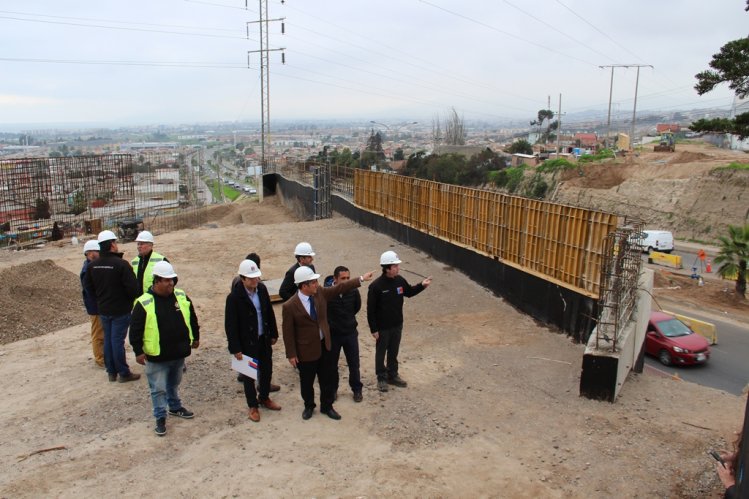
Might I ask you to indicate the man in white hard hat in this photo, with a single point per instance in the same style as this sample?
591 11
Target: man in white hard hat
306 336
385 317
164 330
304 256
250 326
91 252
114 284
146 259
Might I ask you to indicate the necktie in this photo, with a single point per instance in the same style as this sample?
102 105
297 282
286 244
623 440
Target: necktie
312 311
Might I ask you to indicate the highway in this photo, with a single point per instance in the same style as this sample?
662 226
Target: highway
728 367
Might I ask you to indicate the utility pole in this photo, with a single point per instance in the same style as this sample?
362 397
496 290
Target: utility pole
611 91
559 124
264 74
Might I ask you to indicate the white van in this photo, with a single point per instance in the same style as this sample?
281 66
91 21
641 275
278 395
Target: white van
654 240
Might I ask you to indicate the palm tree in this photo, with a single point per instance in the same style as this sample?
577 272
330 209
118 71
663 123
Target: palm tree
733 256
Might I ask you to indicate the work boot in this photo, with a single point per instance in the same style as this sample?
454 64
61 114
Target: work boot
382 385
129 377
397 381
160 427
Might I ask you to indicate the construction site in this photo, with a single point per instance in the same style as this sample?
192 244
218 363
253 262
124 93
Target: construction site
81 195
496 353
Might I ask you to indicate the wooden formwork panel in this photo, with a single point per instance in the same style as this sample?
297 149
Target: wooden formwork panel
562 242
513 229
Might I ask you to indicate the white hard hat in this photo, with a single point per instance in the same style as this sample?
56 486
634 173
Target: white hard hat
389 258
248 268
106 235
304 274
91 245
304 249
144 237
164 269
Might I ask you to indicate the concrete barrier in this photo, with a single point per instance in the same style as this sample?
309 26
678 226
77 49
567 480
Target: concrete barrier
664 259
706 329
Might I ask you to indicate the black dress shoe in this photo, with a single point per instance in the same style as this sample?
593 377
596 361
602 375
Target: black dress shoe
332 414
307 413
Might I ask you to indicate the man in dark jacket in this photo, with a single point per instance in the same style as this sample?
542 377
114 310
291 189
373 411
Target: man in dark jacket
91 252
304 257
113 282
385 317
163 331
342 310
250 326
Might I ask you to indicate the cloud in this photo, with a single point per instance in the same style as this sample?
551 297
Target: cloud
26 101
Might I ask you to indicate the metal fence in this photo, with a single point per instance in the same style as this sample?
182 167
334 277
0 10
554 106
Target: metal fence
53 198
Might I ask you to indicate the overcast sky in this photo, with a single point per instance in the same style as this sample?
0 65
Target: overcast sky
131 62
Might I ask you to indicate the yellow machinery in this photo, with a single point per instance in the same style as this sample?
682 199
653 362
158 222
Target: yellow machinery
666 144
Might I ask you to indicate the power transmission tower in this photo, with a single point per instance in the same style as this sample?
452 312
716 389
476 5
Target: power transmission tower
264 52
611 91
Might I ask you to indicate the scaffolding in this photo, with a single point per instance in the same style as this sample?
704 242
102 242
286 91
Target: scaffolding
51 198
620 273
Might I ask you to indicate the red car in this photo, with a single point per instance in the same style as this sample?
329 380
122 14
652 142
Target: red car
673 342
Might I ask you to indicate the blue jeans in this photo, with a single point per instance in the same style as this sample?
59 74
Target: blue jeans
115 330
164 379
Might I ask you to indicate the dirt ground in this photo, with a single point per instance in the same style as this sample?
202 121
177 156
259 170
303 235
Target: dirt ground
677 191
491 410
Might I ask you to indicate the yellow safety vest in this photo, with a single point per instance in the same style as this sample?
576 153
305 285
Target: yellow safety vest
148 274
151 340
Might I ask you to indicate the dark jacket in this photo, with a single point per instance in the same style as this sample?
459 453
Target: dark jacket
342 310
174 337
288 288
89 298
741 488
301 333
114 284
385 301
240 320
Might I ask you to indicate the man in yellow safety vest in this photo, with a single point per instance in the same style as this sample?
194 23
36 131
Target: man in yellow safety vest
163 330
146 259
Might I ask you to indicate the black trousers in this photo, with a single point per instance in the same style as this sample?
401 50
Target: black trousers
350 345
264 372
388 345
325 371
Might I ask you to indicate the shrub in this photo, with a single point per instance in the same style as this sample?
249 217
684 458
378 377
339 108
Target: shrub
552 165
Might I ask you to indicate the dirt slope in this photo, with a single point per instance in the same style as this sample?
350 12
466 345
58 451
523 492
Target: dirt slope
492 408
673 191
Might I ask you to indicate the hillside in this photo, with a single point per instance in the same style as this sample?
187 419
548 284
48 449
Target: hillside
679 191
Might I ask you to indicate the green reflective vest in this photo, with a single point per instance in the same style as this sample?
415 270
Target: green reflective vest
151 340
148 274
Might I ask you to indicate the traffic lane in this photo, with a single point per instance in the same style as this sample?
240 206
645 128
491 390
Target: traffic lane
727 368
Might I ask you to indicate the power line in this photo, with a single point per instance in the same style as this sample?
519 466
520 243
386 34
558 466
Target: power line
506 33
122 28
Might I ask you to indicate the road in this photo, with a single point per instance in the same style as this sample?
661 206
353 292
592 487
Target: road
727 369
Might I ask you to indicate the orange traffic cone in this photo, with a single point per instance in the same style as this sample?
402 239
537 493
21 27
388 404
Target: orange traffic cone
709 268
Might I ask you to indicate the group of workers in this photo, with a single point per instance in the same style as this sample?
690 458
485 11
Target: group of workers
317 323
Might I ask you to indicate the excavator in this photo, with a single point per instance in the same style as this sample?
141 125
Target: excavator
666 143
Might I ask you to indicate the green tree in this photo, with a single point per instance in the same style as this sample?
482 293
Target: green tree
41 211
545 116
730 65
521 146
79 202
734 255
398 155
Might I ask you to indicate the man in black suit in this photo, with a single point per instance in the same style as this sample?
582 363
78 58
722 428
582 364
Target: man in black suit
250 325
304 257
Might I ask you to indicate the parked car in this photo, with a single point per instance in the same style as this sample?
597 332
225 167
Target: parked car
673 342
653 240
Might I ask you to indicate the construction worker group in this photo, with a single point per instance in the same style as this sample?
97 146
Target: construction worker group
317 323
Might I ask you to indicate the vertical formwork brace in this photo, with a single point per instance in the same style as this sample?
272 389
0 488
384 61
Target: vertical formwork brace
321 195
